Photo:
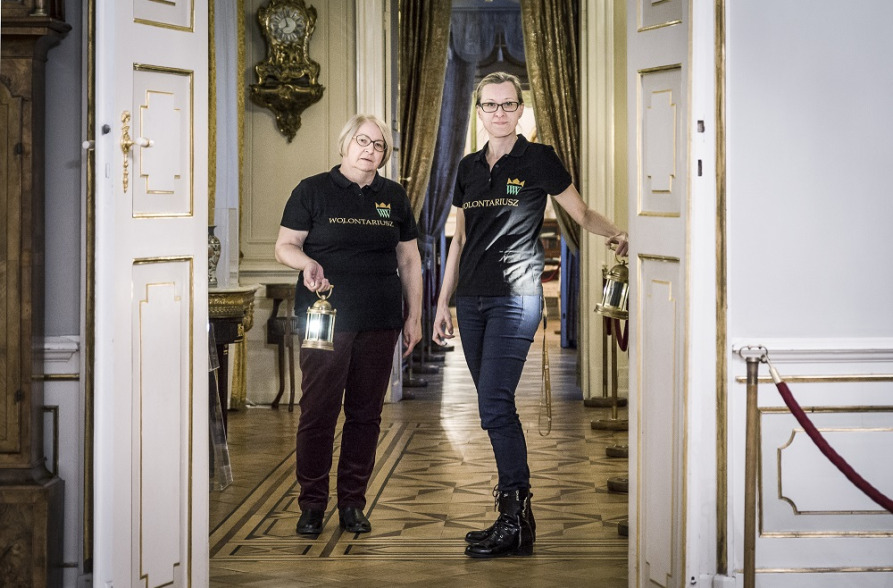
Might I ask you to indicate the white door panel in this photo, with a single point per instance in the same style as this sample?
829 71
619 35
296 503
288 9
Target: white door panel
661 181
802 157
660 423
658 81
162 357
151 452
163 184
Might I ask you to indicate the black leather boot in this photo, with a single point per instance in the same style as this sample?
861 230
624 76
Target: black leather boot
512 533
478 536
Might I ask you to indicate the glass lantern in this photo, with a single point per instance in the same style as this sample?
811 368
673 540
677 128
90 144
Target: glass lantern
320 324
614 298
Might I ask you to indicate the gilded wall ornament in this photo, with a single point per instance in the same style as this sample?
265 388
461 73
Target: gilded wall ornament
287 78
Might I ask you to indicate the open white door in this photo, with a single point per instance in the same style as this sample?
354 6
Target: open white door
151 371
658 77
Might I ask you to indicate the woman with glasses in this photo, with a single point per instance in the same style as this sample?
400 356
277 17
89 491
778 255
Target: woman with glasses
494 266
351 233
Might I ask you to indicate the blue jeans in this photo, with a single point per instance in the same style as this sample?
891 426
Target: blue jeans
496 335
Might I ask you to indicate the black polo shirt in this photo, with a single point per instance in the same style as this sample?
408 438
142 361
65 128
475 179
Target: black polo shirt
503 255
353 234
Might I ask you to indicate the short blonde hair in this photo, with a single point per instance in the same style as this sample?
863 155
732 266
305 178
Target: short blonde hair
498 77
353 125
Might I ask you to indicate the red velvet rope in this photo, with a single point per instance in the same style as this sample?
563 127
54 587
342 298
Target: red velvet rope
829 451
549 275
622 335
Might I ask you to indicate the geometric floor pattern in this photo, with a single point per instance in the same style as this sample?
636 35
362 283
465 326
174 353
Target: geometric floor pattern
432 483
426 494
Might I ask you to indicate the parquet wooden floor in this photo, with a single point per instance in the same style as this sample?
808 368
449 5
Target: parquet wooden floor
432 483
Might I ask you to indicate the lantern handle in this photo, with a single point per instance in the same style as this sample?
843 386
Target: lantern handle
323 297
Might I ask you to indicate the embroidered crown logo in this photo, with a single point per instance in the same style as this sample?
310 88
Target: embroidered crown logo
384 210
512 187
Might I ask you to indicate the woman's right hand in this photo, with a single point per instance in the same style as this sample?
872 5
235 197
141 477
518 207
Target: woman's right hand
314 278
443 326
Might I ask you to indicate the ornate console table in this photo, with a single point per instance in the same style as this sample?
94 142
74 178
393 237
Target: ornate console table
231 314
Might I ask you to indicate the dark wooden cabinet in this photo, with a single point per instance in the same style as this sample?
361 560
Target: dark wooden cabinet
30 496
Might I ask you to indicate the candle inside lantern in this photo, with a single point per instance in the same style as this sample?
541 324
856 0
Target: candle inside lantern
320 329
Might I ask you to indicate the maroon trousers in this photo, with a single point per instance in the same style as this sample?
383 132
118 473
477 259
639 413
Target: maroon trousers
358 370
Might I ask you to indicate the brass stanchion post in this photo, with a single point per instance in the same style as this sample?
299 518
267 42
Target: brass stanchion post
614 350
614 423
619 484
613 307
751 465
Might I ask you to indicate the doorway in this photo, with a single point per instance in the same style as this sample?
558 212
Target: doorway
569 377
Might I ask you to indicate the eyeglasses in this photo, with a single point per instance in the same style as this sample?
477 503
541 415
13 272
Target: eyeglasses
364 141
489 107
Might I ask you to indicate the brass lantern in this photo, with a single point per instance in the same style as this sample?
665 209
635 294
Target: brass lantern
320 324
616 293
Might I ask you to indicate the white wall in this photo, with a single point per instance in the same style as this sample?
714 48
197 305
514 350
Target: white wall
63 417
273 166
65 130
809 151
603 175
809 268
59 351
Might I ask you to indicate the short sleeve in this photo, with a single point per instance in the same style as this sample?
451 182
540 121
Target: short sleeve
556 178
297 214
409 230
459 187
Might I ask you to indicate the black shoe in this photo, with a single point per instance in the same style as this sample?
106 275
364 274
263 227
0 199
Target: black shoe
353 520
310 522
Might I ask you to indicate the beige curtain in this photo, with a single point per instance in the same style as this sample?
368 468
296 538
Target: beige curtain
422 59
551 45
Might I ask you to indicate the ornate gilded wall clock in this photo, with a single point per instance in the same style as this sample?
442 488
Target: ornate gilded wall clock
287 78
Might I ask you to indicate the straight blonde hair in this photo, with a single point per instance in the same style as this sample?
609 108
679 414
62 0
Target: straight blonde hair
498 77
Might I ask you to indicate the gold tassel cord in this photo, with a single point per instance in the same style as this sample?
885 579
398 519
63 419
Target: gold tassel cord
545 415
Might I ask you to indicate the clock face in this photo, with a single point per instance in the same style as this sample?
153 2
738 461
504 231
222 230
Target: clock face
286 24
